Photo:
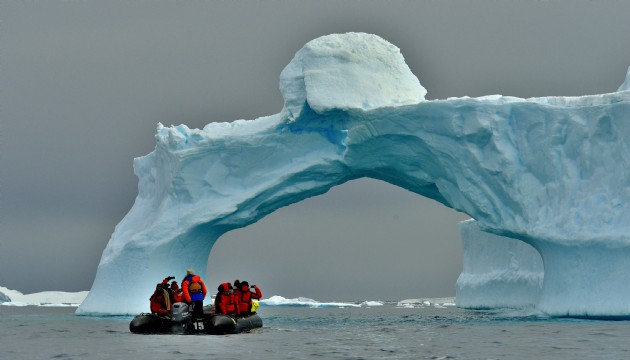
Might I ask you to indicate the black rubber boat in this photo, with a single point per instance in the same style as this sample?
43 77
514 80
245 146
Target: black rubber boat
181 322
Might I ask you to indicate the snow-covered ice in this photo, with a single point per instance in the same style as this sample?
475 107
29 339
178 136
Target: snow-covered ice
353 71
548 171
426 302
10 297
277 300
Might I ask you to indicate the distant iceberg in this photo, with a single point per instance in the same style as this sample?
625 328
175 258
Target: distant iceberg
551 172
427 302
306 302
46 298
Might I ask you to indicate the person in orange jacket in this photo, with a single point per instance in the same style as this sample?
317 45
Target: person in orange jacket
194 291
244 297
225 301
160 301
178 294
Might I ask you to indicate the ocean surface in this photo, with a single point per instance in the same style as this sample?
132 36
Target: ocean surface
383 331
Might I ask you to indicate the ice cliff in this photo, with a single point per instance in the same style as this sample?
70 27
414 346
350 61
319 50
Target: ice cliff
550 172
499 272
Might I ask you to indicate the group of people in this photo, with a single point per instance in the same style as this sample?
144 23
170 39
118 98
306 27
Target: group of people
236 300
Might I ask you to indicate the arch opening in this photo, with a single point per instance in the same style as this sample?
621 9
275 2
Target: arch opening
361 240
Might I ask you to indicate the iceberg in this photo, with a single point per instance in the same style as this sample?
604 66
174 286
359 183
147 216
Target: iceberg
550 172
426 302
10 297
277 300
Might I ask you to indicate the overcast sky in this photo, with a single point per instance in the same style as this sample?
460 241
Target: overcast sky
84 83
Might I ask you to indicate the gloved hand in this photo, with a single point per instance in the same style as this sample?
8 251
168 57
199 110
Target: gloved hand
170 278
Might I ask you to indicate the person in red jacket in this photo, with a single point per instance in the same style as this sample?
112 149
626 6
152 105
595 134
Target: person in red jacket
225 301
194 291
178 294
244 297
160 301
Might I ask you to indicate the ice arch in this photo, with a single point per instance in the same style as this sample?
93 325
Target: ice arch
548 171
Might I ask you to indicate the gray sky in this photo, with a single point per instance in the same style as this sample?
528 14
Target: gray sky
84 83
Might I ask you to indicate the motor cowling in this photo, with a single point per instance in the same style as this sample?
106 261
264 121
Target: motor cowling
180 312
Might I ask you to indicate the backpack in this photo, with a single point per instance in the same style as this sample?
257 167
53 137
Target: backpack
194 288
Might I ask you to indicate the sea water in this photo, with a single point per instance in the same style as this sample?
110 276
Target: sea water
389 331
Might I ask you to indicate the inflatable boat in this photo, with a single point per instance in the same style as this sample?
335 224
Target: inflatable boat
182 322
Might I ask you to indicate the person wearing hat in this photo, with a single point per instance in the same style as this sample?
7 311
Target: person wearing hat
244 297
225 301
194 291
161 299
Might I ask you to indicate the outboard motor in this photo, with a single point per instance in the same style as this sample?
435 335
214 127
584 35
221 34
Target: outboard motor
180 318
